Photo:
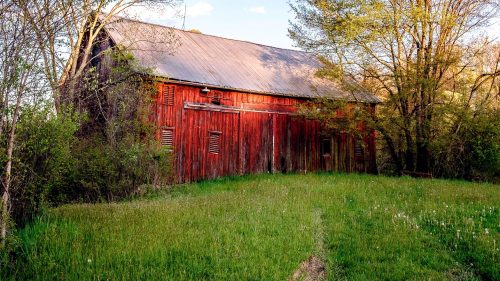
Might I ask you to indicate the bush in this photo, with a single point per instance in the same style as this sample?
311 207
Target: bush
53 165
483 142
473 153
42 160
106 172
104 152
116 150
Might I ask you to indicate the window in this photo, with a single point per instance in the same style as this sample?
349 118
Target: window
214 139
359 151
326 147
167 137
168 95
216 98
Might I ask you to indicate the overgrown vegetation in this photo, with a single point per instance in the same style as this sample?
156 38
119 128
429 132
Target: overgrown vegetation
53 166
76 158
101 148
264 227
429 62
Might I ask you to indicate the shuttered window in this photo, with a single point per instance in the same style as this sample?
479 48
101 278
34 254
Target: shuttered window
214 140
167 137
168 95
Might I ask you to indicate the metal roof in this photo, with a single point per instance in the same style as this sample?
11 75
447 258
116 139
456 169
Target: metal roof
225 63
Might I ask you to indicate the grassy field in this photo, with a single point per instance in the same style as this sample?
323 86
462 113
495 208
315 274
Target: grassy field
261 228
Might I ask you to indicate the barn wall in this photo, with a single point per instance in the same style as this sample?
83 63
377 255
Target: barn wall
251 133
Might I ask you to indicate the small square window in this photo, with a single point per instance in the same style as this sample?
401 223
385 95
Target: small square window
214 140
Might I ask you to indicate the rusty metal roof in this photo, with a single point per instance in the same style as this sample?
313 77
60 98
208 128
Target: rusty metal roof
225 63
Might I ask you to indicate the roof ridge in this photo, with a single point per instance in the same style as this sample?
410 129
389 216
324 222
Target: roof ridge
214 61
209 35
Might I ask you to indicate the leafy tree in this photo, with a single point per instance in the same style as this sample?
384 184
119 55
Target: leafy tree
19 75
422 57
99 145
117 149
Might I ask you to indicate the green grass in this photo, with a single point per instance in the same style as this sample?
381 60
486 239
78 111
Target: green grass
262 227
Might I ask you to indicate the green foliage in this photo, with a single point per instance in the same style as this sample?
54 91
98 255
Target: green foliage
473 151
106 172
117 152
411 55
42 159
8 251
483 141
263 227
106 151
52 166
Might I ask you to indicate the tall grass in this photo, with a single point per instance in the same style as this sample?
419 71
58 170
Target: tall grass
263 227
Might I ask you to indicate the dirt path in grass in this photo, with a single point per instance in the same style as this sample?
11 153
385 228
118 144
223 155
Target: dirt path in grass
313 269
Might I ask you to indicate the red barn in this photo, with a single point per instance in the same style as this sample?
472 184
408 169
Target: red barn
227 107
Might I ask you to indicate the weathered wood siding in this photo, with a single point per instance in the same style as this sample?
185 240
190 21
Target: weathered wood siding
250 133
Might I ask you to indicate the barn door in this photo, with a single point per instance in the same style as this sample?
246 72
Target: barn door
281 139
210 144
221 144
256 147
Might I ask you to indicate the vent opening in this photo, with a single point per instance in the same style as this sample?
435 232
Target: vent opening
167 137
214 140
168 95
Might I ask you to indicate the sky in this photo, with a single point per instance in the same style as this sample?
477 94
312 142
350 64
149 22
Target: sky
259 21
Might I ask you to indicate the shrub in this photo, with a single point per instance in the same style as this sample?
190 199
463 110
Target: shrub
42 160
54 165
106 172
473 151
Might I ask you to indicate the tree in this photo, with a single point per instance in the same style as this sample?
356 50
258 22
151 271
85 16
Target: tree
66 32
467 144
412 53
48 55
19 78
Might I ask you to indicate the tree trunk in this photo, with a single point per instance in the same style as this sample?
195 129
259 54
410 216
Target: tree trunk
409 153
6 183
423 158
4 224
423 152
392 150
